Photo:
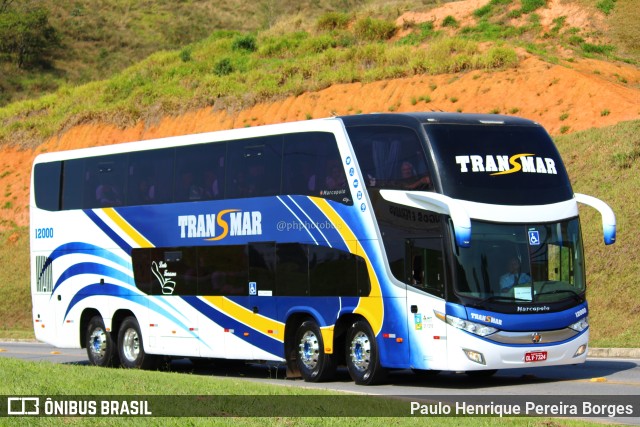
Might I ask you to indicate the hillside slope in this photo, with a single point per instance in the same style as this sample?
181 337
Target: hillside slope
563 99
566 96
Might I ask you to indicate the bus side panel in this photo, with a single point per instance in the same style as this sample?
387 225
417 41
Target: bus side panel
384 309
173 326
72 273
427 333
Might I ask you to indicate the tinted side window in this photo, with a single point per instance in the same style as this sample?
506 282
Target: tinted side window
254 168
223 270
289 269
391 157
46 178
312 166
150 177
72 184
104 181
199 172
262 266
165 271
292 277
332 272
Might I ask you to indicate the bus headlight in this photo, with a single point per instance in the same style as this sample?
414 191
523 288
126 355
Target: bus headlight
474 328
580 351
581 324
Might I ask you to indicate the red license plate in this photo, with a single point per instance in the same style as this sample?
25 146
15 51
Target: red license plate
535 356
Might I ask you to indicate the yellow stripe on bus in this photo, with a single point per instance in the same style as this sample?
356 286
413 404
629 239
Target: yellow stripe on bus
265 325
140 240
370 307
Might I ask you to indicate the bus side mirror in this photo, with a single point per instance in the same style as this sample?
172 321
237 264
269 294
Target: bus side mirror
608 217
438 203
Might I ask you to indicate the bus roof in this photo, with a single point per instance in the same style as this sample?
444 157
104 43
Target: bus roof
435 117
407 119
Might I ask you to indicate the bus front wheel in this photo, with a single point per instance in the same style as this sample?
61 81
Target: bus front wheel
130 346
363 360
101 349
314 364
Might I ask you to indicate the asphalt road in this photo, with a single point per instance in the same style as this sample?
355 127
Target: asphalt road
596 377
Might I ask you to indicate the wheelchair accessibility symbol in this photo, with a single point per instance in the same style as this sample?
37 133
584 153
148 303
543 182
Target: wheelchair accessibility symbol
534 238
253 289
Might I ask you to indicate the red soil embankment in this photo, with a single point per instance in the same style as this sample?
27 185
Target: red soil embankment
581 95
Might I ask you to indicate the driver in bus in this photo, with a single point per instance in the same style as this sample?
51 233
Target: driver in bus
514 276
409 179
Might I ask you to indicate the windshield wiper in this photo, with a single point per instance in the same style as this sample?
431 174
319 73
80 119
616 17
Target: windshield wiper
496 298
561 291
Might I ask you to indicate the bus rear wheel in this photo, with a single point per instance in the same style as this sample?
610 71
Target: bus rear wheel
101 349
314 364
130 348
363 359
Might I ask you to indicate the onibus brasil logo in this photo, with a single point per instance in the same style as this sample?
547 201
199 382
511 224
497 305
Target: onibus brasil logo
503 165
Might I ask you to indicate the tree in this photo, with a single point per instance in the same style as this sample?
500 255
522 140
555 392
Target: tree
26 37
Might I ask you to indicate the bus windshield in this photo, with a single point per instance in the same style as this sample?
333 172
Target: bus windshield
523 264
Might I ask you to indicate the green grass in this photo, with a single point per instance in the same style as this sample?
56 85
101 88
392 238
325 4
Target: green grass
493 23
46 379
604 163
215 73
15 304
102 37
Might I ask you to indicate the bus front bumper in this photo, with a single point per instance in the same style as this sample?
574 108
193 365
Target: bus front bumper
468 352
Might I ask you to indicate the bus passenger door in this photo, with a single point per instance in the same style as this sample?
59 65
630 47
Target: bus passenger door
425 295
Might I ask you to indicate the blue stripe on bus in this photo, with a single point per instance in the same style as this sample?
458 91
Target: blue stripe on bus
92 268
257 339
520 322
324 227
74 248
108 231
110 289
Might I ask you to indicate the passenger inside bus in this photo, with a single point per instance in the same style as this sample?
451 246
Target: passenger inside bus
410 180
108 195
336 180
188 188
514 275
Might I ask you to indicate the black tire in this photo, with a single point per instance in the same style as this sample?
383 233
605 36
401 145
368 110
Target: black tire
363 359
101 349
131 348
314 364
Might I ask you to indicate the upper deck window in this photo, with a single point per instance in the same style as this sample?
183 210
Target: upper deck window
391 157
304 163
499 164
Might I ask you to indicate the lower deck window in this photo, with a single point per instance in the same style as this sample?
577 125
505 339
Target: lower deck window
287 269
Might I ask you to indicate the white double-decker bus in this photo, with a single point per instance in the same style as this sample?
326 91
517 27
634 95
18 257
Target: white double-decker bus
428 241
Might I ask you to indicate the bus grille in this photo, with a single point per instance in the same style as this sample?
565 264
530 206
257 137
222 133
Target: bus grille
44 279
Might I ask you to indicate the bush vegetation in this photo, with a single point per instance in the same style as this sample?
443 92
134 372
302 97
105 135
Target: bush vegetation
231 65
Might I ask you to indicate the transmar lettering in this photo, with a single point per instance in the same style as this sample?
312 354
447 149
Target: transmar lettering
502 165
228 222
